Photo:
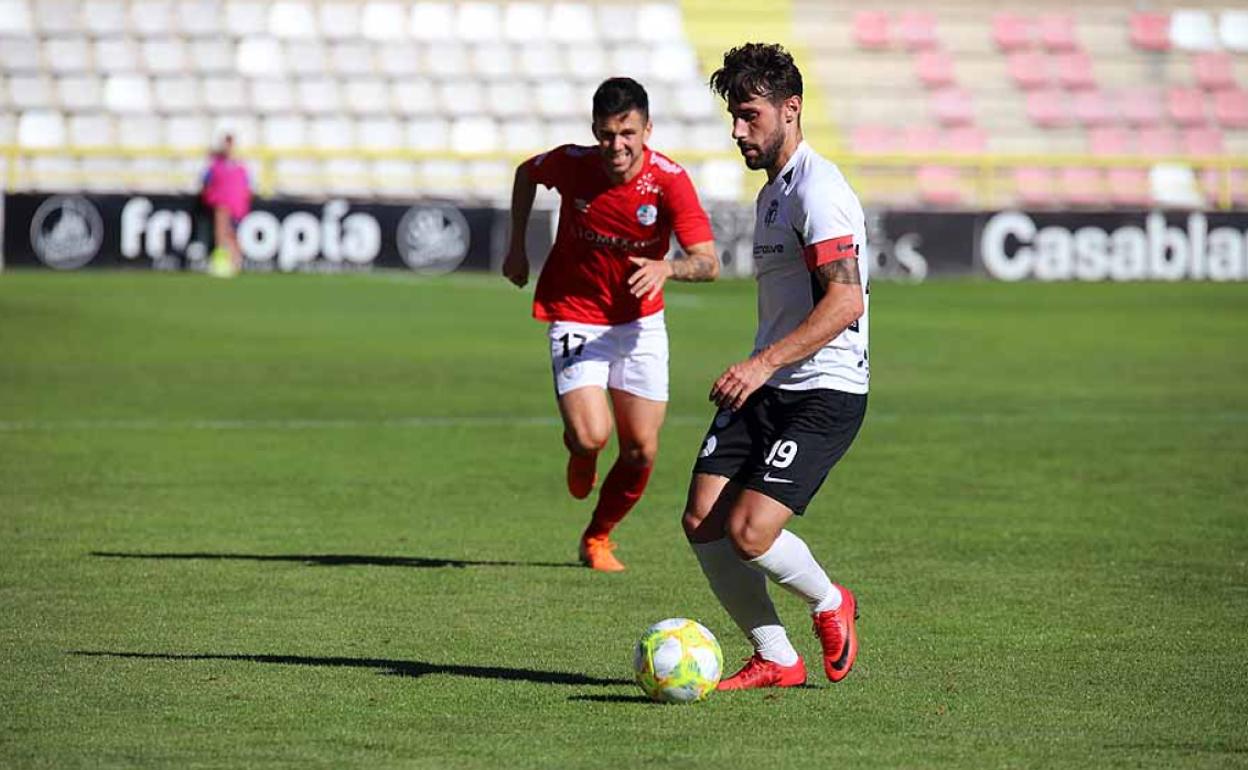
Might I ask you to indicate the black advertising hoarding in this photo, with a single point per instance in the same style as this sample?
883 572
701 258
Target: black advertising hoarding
170 232
1066 246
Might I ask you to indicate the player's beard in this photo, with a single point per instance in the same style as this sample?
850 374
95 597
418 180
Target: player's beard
768 153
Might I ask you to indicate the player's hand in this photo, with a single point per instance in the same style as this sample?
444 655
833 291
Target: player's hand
648 279
739 382
516 267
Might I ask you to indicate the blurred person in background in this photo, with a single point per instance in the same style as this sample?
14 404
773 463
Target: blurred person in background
789 411
601 292
226 193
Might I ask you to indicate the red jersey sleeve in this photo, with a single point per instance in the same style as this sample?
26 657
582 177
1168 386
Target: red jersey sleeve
550 168
689 220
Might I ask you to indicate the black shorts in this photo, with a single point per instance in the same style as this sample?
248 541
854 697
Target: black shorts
782 443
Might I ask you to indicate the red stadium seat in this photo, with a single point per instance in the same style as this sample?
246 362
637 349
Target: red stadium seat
1057 31
1129 187
1082 186
1203 141
952 107
920 138
1213 71
1156 141
917 30
1074 70
1109 140
1012 31
871 30
1048 108
1034 186
966 140
1150 31
941 186
1230 107
1029 69
1093 108
1186 106
1140 106
874 140
934 68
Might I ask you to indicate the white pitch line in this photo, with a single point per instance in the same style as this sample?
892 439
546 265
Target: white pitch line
521 421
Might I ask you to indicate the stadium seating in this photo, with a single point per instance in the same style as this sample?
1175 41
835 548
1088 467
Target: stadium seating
400 83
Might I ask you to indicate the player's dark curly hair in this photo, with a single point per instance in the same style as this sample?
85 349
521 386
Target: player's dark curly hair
757 69
618 95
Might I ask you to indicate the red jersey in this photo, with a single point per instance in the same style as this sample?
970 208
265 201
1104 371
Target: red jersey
602 224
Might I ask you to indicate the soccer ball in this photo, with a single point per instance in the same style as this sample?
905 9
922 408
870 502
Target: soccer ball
678 661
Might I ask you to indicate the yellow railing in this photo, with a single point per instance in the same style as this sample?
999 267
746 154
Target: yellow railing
982 181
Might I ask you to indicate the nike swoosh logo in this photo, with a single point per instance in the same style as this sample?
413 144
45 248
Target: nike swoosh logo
775 480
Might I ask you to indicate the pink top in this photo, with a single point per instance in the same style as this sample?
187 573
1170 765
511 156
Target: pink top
226 184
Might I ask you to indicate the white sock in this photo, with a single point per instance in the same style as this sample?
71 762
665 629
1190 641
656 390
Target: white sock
742 590
790 563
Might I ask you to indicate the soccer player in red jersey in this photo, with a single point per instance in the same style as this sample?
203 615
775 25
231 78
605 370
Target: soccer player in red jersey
601 291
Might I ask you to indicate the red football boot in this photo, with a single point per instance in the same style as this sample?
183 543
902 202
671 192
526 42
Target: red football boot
595 553
758 672
835 629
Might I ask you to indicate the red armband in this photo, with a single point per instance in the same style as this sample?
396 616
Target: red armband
823 252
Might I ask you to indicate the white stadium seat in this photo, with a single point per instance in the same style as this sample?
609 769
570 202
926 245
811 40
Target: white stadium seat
414 96
139 131
260 56
587 62
524 22
199 18
67 54
1192 30
509 98
670 136
394 177
347 176
629 58
81 93
165 56
306 57
56 16
273 96
294 176
319 95
367 96
618 23
1233 30
710 137
567 131
292 20
379 133
572 23
19 55
244 18
245 128
116 55
211 55
31 92
493 60
558 99
127 93
187 131
340 20
152 18
674 63
660 22
103 17
443 177
180 93
383 21
333 132
490 179
398 60
447 60
542 60
523 135
478 21
720 179
225 93
92 130
461 98
427 133
8 127
351 58
41 128
285 131
694 101
433 22
15 19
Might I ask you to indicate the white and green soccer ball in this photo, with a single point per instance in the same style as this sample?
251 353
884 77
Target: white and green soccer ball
678 661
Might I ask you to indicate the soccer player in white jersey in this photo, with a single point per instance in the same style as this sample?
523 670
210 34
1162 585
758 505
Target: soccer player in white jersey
789 412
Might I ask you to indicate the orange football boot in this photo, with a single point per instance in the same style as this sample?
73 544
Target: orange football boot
595 553
835 629
758 672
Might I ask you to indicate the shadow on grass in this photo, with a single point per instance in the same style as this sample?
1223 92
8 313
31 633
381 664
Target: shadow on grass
338 560
385 666
613 699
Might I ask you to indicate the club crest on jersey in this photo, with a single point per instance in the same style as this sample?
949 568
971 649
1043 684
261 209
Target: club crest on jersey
647 214
773 211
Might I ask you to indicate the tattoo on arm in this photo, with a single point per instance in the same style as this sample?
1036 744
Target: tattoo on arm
694 267
839 271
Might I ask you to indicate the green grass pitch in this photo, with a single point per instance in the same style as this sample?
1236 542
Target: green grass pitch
307 521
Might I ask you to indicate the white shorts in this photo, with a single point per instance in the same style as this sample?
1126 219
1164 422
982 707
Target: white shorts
631 357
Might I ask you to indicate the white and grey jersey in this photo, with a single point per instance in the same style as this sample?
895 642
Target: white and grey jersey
808 215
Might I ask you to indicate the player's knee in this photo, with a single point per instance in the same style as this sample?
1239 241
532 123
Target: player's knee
587 439
749 541
640 453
